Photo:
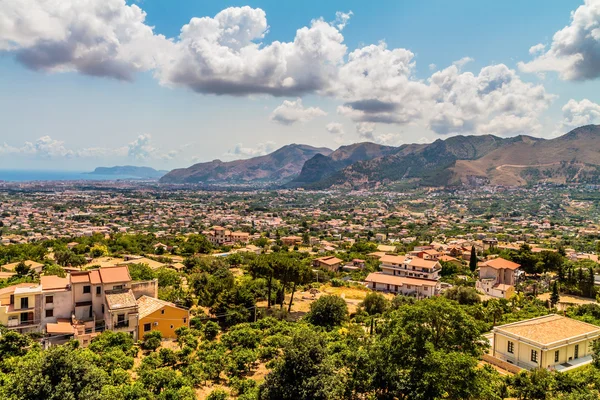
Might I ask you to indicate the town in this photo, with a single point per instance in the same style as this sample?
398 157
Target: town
186 271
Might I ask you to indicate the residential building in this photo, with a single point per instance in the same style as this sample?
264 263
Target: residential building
411 276
330 263
551 341
57 299
160 315
497 277
121 313
21 306
219 236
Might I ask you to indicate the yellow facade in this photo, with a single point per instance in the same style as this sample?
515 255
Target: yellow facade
166 320
521 355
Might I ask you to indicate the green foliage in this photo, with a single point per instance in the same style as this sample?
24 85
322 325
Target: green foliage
463 295
152 340
217 394
140 272
375 303
328 311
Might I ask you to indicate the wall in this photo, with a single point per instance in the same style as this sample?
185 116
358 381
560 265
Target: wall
62 304
145 288
172 316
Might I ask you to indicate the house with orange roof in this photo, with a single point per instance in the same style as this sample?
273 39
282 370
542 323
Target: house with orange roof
410 276
160 315
497 277
330 263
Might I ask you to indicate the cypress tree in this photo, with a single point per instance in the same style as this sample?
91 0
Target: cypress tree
473 260
554 297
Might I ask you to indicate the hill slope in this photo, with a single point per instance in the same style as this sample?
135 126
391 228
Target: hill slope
321 166
574 157
277 167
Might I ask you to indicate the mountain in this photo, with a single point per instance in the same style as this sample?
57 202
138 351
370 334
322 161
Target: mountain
487 159
130 171
277 167
323 166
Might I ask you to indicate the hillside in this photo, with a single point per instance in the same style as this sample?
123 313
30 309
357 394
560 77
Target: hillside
321 166
277 167
466 160
129 170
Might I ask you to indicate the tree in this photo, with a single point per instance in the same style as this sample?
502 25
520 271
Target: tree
554 297
375 303
303 371
152 340
13 344
22 269
328 311
473 259
210 330
140 272
217 394
463 295
300 274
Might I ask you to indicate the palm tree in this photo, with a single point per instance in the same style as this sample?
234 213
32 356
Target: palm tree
495 310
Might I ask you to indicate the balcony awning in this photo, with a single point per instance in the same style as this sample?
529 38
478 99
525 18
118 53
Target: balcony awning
60 328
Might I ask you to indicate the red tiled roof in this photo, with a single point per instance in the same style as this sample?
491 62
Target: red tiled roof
501 263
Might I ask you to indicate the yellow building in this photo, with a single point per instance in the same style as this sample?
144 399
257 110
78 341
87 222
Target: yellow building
551 341
160 315
20 307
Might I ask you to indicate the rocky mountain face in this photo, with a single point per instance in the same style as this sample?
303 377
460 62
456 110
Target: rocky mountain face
279 166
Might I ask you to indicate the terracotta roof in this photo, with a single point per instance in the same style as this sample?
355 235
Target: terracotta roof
29 263
147 305
53 282
378 277
60 327
548 329
80 277
387 259
11 289
114 274
330 260
421 263
116 299
501 263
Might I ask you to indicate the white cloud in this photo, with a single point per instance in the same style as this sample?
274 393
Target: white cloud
222 55
578 113
225 55
365 131
537 49
389 139
341 19
48 148
261 149
141 148
575 49
462 62
290 112
335 128
93 37
432 67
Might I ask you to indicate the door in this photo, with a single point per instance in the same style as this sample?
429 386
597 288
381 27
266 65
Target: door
25 302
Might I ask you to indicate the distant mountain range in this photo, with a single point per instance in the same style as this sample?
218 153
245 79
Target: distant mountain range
456 161
278 167
130 171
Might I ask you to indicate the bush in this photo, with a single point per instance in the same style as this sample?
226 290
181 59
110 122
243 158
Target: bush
152 340
328 311
210 330
336 282
217 394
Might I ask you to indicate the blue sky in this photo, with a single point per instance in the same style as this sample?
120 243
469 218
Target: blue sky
77 96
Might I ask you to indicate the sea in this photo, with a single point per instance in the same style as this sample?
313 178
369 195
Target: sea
13 175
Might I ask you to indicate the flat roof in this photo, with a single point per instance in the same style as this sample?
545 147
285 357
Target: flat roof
378 277
548 329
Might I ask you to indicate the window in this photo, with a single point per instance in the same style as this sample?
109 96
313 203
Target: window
12 299
511 347
576 355
556 356
49 299
147 327
171 326
98 290
102 308
49 313
534 356
117 287
185 320
162 311
25 302
87 289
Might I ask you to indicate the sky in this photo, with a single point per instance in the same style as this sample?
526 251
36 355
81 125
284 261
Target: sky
168 84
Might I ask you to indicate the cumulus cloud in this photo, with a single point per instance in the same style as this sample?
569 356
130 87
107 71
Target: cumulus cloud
290 112
462 62
578 113
341 19
575 49
537 49
335 128
495 101
48 148
365 131
93 37
223 55
260 149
